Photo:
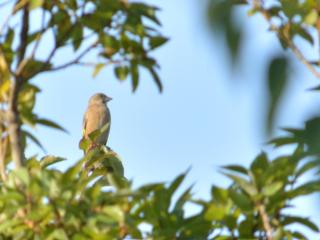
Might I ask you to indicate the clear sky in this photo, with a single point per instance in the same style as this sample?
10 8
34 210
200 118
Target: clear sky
205 118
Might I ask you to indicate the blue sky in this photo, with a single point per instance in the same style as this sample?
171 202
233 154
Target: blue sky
206 117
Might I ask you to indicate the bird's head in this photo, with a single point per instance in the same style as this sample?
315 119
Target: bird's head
99 98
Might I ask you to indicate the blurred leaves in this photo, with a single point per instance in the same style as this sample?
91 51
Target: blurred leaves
222 20
277 82
295 24
48 203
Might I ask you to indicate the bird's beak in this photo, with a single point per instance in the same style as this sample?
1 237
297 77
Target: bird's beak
108 99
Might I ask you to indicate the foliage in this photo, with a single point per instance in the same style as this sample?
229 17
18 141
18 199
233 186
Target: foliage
41 202
38 202
93 199
296 24
119 33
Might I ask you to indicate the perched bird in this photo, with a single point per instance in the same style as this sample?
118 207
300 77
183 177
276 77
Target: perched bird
97 116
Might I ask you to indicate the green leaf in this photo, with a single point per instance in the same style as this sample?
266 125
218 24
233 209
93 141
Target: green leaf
12 196
93 136
97 69
271 189
246 228
215 212
158 41
50 160
33 67
23 175
236 168
111 45
34 140
121 72
146 11
77 36
312 135
282 141
304 221
304 189
58 234
310 165
117 181
246 186
305 35
299 235
181 201
176 183
9 224
258 169
110 160
134 75
277 82
115 212
51 124
219 194
312 17
33 4
241 200
156 78
260 163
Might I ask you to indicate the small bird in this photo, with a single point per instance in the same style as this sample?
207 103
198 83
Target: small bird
96 117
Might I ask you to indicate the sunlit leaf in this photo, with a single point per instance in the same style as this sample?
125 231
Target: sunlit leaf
50 160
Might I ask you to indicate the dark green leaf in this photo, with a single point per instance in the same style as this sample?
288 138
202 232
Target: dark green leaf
158 41
245 185
277 82
121 72
304 221
236 168
34 140
51 124
134 75
241 200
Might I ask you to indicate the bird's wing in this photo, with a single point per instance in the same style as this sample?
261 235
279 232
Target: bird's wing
95 118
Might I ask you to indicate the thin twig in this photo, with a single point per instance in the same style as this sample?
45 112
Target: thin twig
302 58
56 46
76 60
265 220
24 35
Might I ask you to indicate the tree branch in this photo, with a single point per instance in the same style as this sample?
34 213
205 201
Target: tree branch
14 125
24 34
265 220
302 59
76 60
